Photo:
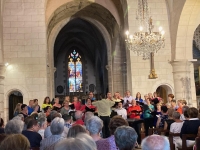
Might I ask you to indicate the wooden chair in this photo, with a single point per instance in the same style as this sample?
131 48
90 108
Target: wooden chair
158 131
184 144
171 135
197 140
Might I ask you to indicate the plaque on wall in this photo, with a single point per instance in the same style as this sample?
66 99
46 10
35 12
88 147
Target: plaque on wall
60 89
91 87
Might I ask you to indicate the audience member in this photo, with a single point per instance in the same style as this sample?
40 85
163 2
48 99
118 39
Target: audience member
68 120
75 130
32 133
191 126
15 141
104 111
78 116
36 105
57 128
176 128
19 117
1 126
155 142
125 138
94 125
170 119
14 126
42 122
81 142
88 115
121 111
109 143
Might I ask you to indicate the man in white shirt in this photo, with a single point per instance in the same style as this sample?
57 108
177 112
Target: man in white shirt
121 111
127 99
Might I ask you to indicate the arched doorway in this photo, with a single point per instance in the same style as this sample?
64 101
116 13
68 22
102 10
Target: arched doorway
14 98
163 91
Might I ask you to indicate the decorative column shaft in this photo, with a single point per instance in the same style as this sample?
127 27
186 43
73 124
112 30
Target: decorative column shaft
183 80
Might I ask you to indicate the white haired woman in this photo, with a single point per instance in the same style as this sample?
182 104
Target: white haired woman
57 128
94 125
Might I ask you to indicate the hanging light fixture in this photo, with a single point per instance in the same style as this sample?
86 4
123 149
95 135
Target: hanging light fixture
145 41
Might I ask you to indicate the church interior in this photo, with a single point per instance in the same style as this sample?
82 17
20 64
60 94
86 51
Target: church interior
60 48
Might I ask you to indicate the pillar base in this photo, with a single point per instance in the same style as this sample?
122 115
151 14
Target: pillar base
153 74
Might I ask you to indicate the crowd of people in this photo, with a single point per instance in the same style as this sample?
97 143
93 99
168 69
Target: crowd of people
112 123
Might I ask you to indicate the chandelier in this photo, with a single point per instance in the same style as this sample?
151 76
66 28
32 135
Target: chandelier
145 41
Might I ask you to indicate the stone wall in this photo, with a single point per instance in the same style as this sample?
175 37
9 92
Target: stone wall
25 48
140 69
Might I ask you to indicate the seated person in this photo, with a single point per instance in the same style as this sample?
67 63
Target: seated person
162 118
176 128
155 142
1 126
191 126
32 133
134 111
170 119
78 117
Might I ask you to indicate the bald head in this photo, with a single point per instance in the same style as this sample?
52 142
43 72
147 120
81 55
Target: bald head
78 114
155 142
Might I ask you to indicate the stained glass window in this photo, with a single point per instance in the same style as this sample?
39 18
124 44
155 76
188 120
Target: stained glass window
75 72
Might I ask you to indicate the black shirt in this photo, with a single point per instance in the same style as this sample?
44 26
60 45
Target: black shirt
2 130
33 137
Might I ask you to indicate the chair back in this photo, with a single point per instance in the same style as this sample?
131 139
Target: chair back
171 135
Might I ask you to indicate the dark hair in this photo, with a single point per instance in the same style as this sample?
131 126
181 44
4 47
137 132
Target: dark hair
173 100
46 99
52 115
23 106
66 117
46 108
137 94
192 112
1 122
184 102
31 123
35 100
34 116
171 95
75 130
164 109
185 113
116 122
27 119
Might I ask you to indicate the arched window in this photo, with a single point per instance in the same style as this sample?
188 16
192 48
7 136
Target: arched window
75 72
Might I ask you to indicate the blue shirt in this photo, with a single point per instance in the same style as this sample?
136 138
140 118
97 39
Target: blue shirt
30 110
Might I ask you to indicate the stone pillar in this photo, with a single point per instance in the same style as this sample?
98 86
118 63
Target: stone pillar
183 80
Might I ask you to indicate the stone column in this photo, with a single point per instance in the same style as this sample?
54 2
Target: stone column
2 66
183 80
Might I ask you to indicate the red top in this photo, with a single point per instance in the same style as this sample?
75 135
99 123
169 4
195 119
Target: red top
77 105
133 114
84 106
180 110
80 122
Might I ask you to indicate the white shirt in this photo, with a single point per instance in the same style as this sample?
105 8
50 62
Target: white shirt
122 112
129 99
176 128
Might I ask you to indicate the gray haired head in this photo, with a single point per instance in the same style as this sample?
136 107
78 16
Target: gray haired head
57 126
155 142
82 142
176 115
41 119
14 126
125 137
94 125
88 115
78 114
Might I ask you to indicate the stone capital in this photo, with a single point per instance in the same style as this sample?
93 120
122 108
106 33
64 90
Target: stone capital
182 65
